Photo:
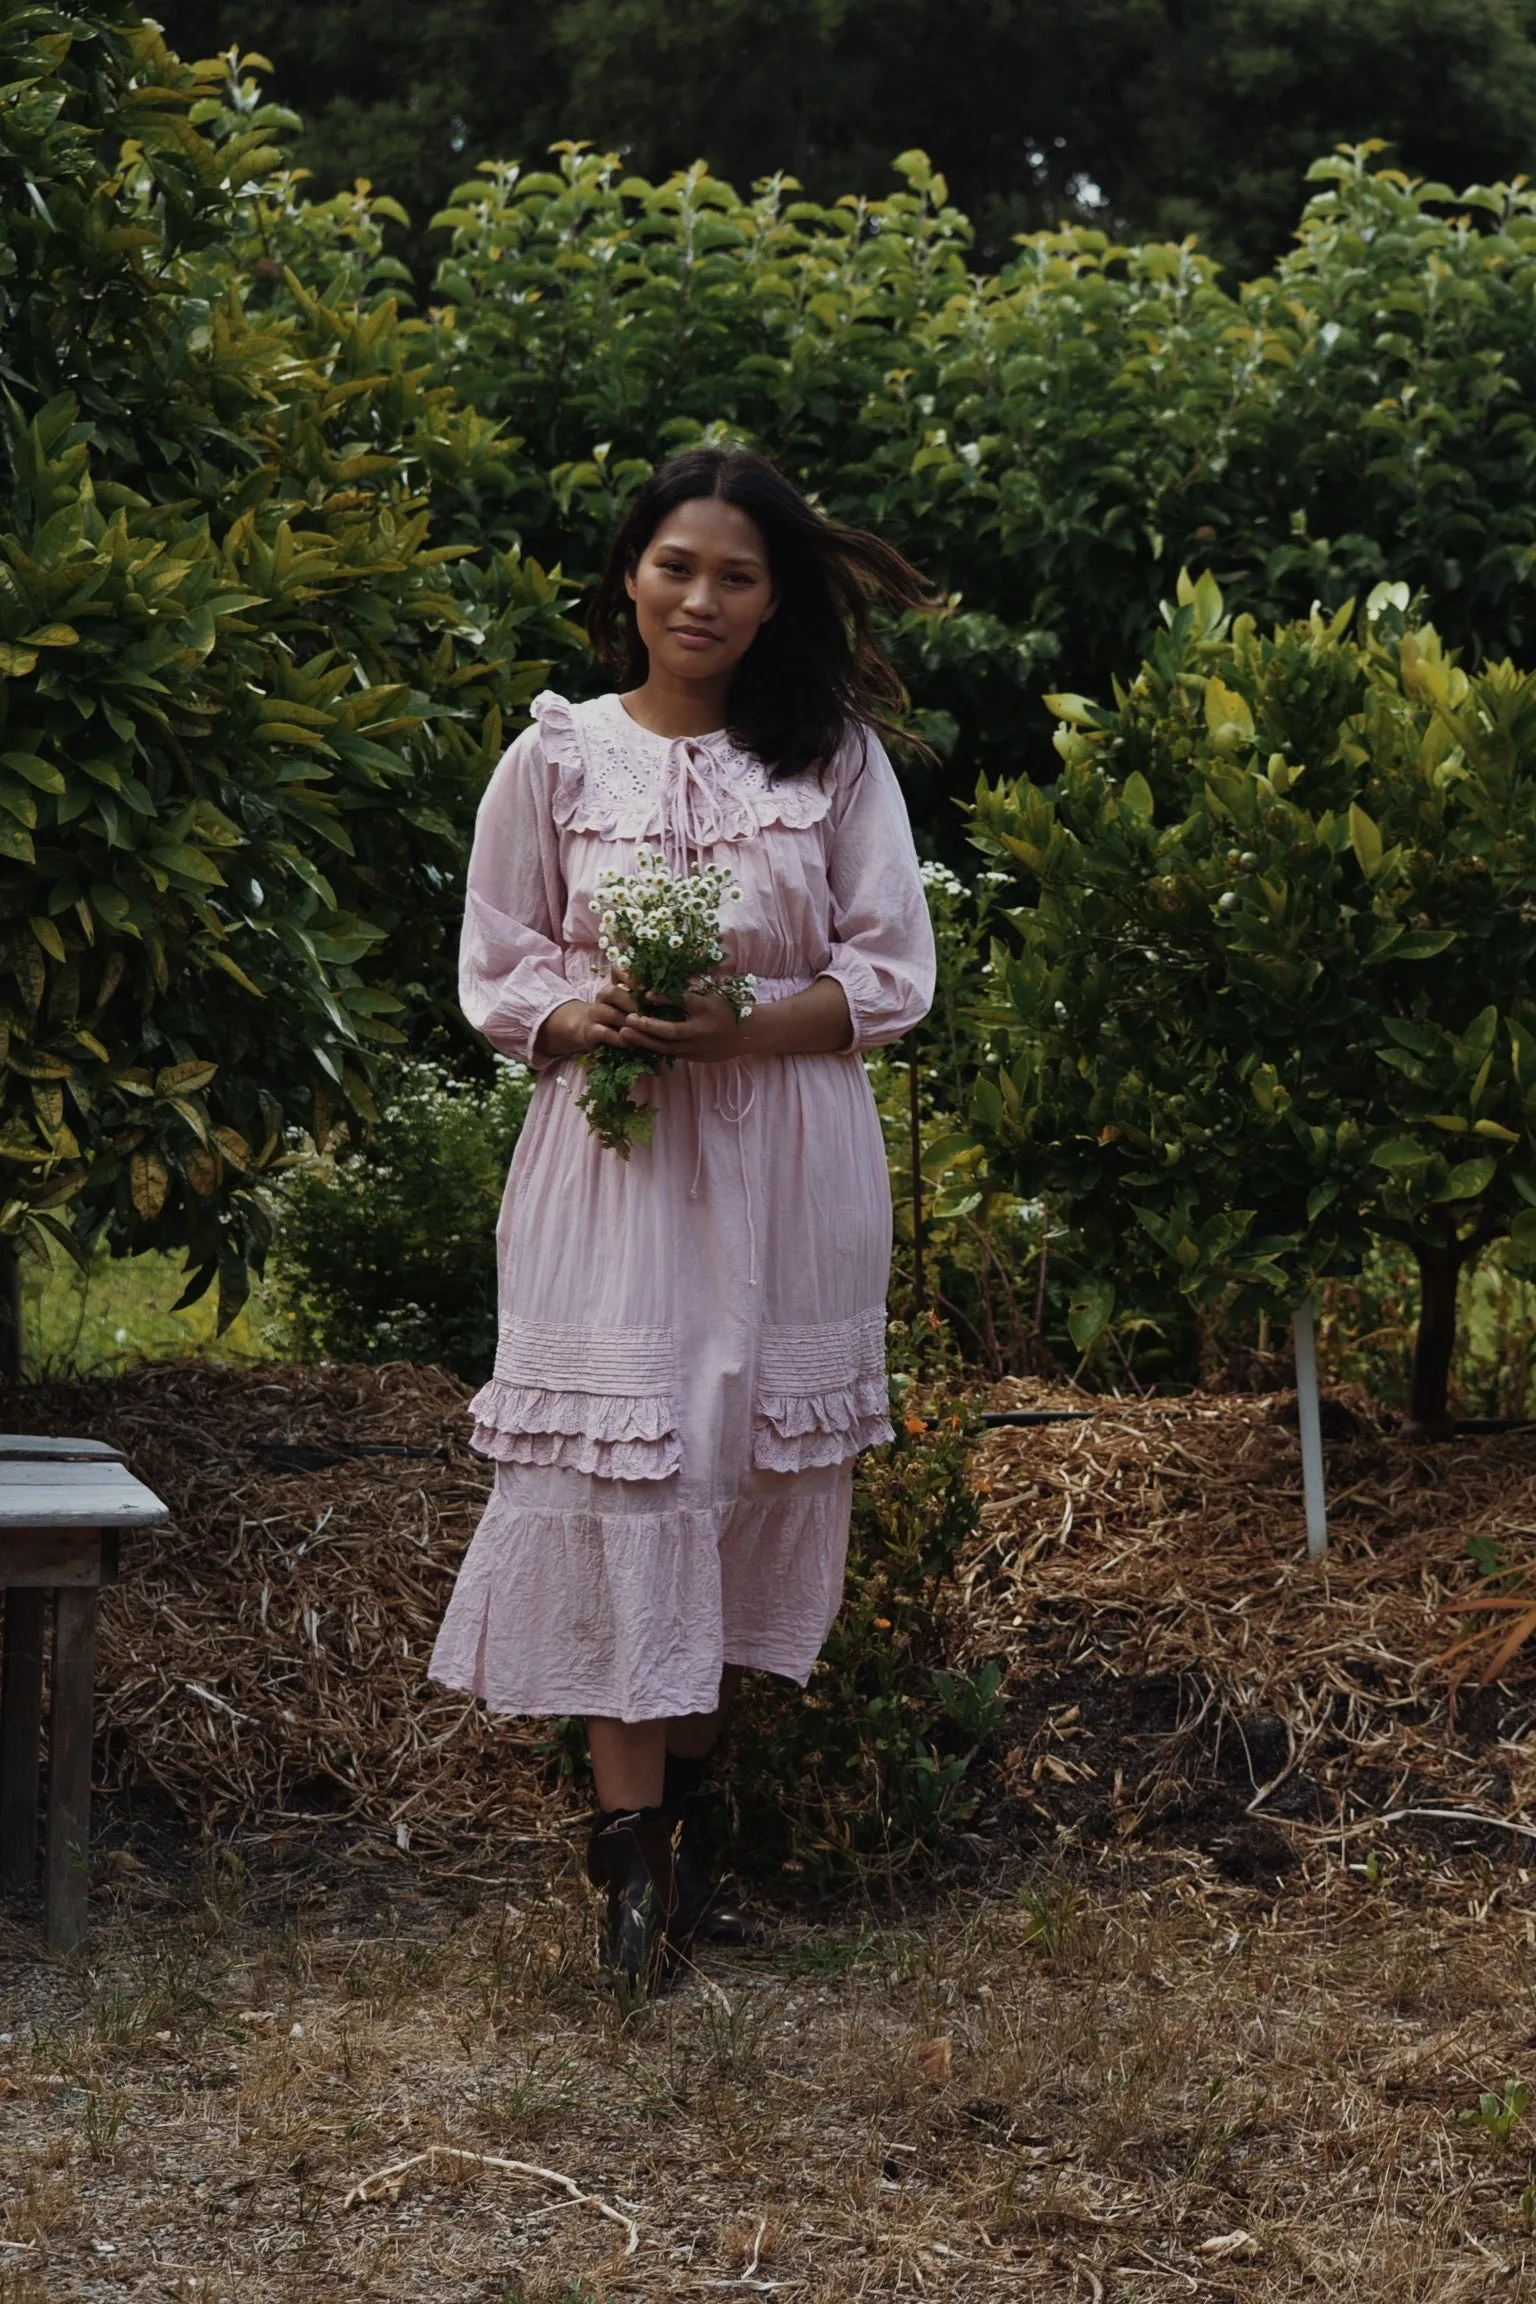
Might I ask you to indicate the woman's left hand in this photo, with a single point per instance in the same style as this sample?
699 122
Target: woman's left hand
708 1034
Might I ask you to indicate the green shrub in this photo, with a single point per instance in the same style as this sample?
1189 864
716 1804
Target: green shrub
248 700
390 1253
1271 995
870 1763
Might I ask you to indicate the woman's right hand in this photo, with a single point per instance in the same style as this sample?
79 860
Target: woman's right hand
578 1026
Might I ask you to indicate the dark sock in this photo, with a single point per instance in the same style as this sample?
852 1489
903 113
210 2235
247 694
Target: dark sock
607 1817
684 1778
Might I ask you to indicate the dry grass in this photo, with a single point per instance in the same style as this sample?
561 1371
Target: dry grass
1166 2085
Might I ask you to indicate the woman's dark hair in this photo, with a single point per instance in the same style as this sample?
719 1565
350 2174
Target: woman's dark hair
815 670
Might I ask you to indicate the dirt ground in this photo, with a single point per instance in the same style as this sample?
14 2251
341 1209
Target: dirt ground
1113 2076
1224 1991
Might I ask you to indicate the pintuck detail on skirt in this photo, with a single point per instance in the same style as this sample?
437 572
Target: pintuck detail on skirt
821 1393
603 1401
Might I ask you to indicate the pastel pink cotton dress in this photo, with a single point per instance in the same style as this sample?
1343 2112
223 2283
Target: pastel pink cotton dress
691 1341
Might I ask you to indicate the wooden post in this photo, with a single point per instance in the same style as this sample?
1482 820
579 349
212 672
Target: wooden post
915 1116
1310 1422
66 1874
12 1337
21 1728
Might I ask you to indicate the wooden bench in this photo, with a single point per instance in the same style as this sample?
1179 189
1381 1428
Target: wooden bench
63 1507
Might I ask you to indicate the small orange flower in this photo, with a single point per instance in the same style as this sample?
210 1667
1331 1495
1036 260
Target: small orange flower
882 1623
915 1424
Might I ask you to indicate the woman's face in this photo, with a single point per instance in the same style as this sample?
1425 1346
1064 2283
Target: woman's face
701 590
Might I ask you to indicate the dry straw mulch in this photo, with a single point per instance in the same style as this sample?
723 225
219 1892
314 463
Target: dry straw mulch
1166 1538
263 1658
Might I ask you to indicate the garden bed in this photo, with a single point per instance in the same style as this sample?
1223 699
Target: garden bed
1174 1665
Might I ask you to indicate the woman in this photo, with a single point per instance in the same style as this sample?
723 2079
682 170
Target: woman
691 1342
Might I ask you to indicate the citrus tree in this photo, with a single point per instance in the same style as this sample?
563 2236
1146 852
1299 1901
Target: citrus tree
246 699
1272 987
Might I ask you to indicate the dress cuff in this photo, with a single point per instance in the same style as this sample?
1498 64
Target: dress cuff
551 997
861 990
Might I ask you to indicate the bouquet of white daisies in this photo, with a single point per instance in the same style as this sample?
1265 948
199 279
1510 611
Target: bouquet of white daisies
662 929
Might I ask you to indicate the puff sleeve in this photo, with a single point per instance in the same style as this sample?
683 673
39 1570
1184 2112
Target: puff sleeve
881 937
511 957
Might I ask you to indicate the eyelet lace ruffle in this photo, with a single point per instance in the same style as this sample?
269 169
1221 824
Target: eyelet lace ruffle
821 1394
598 1401
611 771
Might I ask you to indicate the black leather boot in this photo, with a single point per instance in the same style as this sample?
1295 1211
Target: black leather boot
630 1853
702 1913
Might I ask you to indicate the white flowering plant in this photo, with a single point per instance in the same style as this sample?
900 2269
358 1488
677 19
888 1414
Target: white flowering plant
659 930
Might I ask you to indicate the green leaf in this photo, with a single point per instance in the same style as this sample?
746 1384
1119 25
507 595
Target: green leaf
41 773
1467 1180
188 863
1088 1315
1401 1154
1365 839
1136 797
1421 943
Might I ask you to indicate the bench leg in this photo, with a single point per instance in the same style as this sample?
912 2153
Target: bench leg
21 1728
66 1871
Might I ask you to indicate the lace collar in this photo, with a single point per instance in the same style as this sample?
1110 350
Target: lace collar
625 782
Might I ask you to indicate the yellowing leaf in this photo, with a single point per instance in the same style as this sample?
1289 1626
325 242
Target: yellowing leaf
1075 709
148 1182
181 1079
16 663
1226 713
52 636
49 938
201 1169
232 968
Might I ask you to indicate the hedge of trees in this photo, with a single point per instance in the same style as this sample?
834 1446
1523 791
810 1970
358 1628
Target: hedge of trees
282 558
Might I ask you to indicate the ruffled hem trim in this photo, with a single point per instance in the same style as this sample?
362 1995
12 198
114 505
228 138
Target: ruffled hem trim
609 1436
774 1451
576 1452
799 1432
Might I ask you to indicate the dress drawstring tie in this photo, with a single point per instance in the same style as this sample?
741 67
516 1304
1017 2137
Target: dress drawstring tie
698 809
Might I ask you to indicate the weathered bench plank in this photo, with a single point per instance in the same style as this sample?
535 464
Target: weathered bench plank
60 1494
40 1444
